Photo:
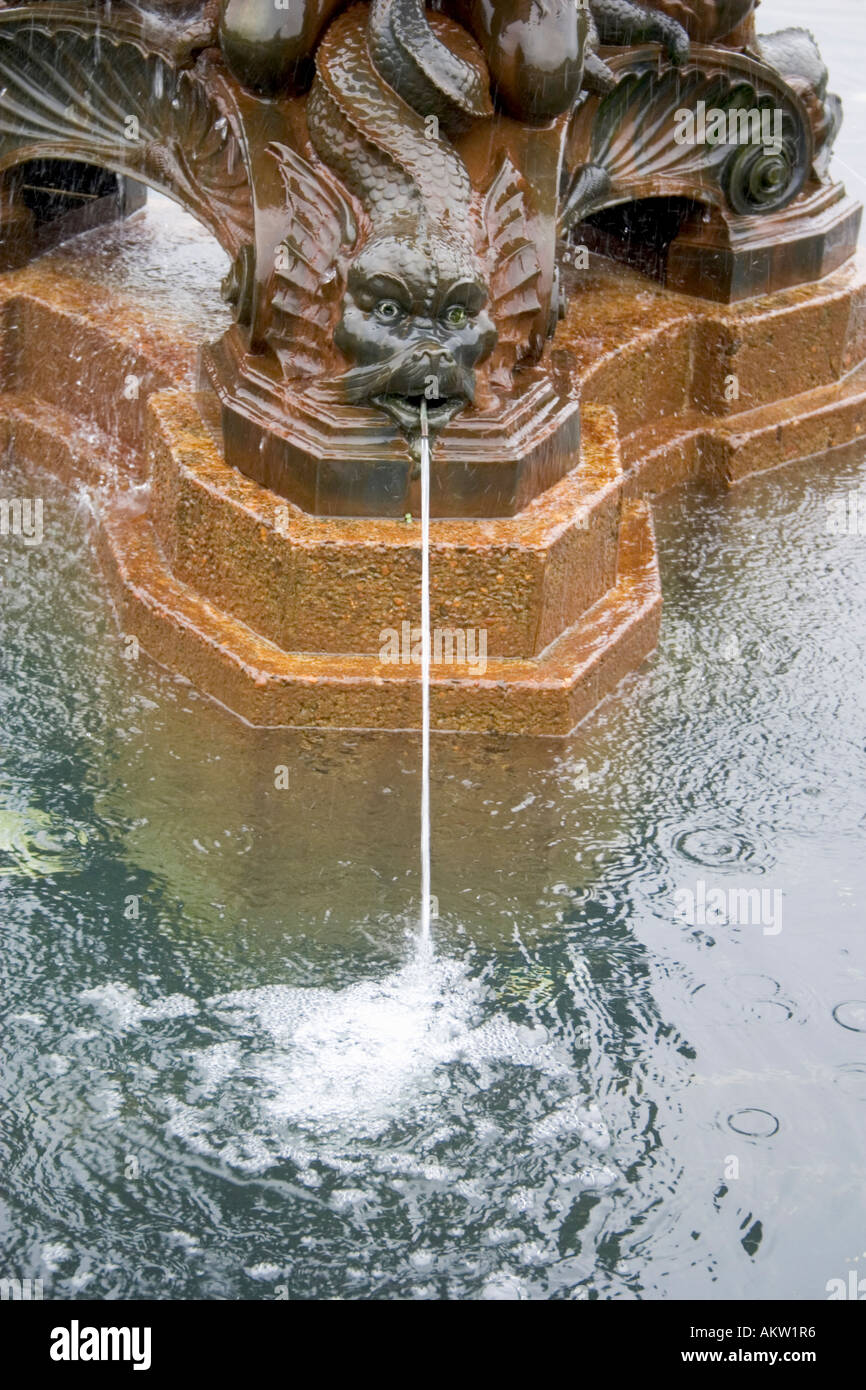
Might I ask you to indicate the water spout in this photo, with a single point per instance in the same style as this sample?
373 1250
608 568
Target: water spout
425 677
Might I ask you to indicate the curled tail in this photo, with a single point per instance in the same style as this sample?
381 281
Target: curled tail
449 81
368 130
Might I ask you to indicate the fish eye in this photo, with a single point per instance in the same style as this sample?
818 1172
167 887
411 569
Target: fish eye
389 311
456 315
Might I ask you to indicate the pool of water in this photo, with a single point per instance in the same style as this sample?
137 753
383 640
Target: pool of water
634 1068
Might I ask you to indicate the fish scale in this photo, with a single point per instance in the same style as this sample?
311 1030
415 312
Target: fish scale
392 164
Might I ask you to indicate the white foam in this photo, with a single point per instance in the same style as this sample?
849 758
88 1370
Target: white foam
574 1117
122 1006
216 1064
313 1074
350 1059
268 1274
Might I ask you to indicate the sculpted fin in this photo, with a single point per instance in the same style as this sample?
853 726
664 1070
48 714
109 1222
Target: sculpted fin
306 274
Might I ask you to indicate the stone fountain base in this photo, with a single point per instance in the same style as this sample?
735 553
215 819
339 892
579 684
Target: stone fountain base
281 615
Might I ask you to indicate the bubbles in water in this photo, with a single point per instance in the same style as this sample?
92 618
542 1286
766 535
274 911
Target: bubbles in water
267 1273
575 1117
123 1008
503 1288
322 1076
347 1060
216 1064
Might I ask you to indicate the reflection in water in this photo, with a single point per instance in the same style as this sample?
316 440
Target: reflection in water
226 1071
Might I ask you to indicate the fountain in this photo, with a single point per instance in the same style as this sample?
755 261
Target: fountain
516 297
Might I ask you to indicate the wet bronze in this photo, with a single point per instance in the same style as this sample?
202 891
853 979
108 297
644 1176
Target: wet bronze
397 231
269 49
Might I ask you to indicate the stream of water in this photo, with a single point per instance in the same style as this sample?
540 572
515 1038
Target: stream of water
425 680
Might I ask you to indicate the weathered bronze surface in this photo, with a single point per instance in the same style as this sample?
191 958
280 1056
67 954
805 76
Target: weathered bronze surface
409 200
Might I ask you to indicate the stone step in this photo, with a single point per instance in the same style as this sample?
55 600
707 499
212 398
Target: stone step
652 353
87 351
579 661
726 450
270 687
75 450
333 584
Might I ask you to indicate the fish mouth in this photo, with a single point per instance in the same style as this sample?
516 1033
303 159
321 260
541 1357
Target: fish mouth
405 410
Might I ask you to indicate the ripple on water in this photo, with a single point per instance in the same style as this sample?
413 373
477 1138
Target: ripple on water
752 985
769 1011
850 1077
721 848
759 998
755 1124
851 1014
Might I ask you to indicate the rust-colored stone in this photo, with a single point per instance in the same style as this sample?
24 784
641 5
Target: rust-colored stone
278 614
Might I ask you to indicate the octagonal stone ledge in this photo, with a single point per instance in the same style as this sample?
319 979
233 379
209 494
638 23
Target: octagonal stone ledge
322 584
